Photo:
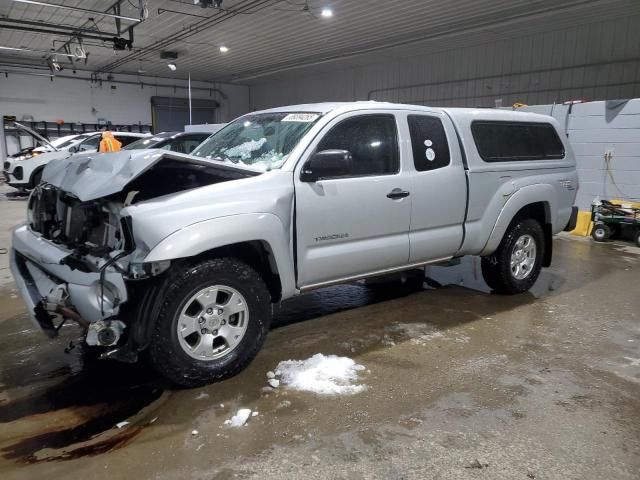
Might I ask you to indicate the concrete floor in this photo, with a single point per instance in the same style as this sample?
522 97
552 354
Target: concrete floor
462 384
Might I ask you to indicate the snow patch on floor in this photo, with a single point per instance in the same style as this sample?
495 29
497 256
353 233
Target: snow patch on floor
321 374
239 419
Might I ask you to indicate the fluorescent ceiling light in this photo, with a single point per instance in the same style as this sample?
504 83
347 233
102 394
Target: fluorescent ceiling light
172 66
327 12
224 49
77 9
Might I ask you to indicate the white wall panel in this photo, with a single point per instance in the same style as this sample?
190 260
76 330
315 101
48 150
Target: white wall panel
72 100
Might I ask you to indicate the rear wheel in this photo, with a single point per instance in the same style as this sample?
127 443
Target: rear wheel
515 266
601 232
637 237
212 322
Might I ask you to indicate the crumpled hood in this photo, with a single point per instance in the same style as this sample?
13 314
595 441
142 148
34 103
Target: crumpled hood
94 175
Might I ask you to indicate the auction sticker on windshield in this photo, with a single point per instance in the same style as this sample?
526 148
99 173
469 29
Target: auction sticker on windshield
301 117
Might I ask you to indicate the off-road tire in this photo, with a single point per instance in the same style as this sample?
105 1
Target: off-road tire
165 352
496 269
601 232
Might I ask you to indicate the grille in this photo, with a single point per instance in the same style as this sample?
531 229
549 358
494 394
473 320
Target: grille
63 219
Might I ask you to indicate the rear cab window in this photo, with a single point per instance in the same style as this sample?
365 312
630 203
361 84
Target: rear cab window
504 141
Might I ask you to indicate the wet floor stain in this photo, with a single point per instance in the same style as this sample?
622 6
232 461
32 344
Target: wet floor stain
43 382
62 441
92 400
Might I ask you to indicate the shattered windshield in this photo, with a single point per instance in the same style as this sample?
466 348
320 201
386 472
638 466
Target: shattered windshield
261 141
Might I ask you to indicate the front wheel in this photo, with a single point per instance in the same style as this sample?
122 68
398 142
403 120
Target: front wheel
515 266
212 322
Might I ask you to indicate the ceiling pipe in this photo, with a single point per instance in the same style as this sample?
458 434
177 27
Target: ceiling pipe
71 30
194 29
53 32
79 9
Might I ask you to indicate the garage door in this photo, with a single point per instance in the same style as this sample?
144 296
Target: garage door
172 114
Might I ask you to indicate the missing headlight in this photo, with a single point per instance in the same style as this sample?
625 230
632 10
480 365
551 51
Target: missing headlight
139 271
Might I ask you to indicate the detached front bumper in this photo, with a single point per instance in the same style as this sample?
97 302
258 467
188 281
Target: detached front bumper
37 269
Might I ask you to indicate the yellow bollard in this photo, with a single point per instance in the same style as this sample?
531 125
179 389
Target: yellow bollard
584 224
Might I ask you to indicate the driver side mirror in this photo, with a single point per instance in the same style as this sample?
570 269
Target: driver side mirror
327 164
73 149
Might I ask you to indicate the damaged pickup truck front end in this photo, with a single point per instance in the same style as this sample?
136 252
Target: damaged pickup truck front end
84 248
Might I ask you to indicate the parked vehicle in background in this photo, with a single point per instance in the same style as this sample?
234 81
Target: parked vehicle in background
181 142
184 255
25 171
611 218
59 143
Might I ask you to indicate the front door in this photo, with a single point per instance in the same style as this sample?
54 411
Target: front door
356 223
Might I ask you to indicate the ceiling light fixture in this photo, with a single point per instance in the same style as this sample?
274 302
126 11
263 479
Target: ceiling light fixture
327 12
172 66
54 65
224 49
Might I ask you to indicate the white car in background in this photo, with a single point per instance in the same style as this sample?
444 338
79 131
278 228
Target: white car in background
59 143
24 169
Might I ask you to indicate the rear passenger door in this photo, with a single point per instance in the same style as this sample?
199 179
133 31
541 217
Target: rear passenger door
355 223
439 188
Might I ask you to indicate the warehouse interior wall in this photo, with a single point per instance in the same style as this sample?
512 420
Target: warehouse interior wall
79 100
605 138
594 61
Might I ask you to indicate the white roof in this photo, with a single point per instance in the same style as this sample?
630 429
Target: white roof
130 134
469 113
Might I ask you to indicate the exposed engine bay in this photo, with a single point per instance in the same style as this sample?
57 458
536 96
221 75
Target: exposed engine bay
99 242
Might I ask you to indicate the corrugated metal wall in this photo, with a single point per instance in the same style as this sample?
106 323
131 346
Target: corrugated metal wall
605 137
595 61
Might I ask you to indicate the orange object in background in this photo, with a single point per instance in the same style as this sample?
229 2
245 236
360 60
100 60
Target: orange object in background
109 143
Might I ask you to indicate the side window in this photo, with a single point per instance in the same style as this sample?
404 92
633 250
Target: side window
372 141
125 139
516 141
90 143
190 143
428 142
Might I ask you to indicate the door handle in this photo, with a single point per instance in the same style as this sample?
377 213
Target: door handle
397 193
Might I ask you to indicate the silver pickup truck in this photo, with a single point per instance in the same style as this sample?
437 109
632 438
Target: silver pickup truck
184 255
